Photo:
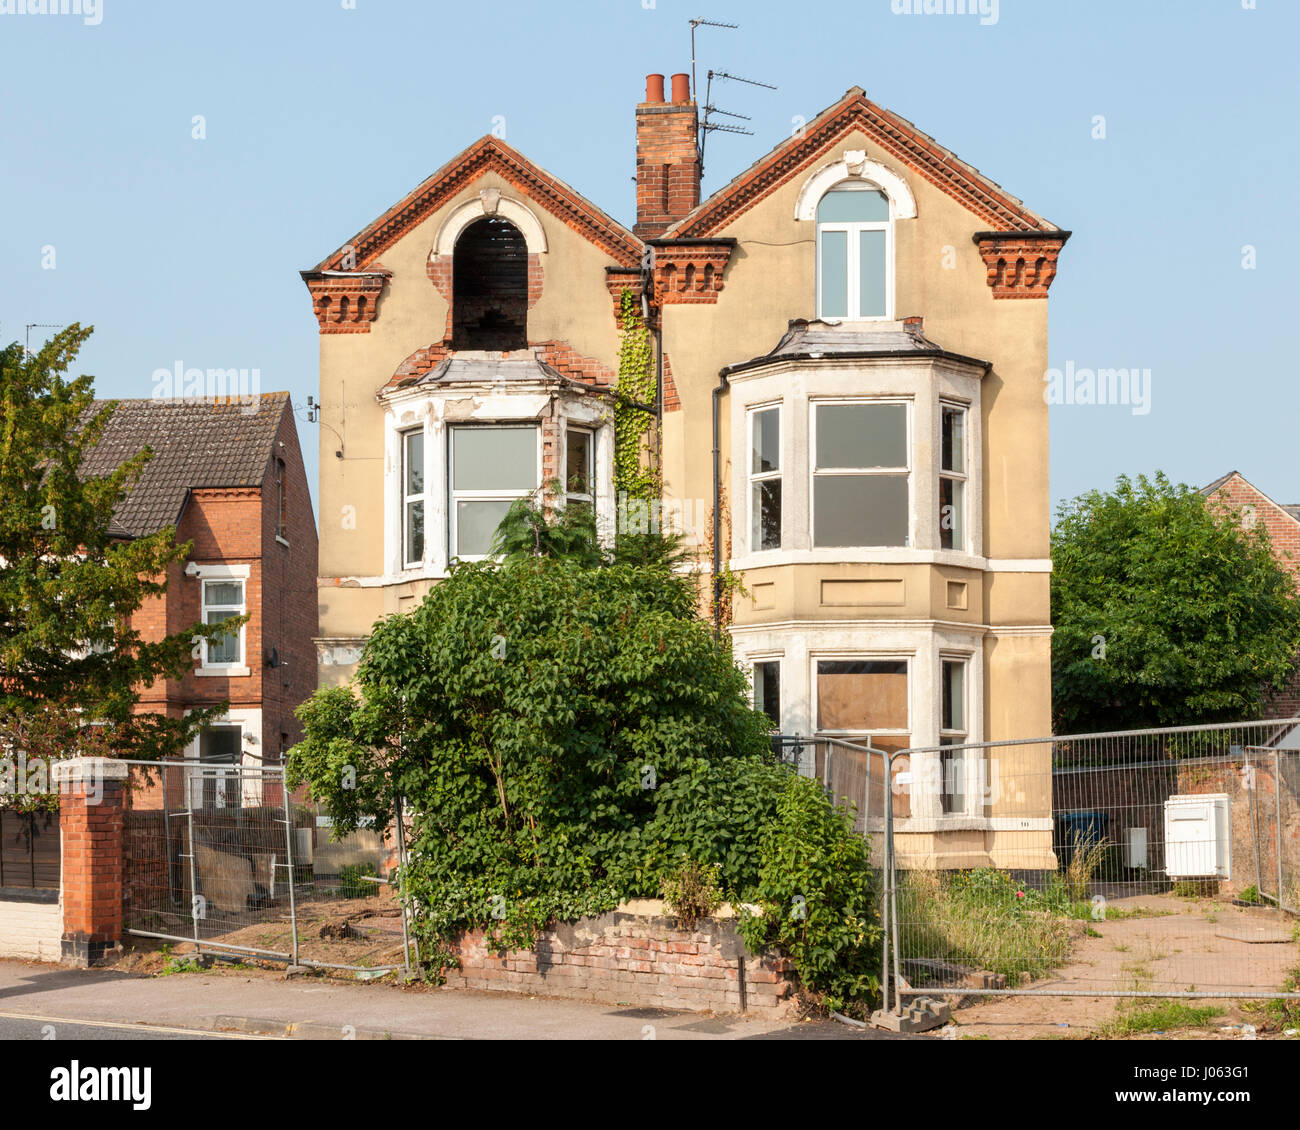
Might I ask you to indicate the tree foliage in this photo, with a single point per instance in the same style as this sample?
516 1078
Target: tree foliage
71 665
1165 611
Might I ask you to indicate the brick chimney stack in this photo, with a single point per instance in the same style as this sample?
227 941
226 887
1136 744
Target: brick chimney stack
667 156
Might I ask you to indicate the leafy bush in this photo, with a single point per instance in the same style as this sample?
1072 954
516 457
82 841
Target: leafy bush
818 897
693 892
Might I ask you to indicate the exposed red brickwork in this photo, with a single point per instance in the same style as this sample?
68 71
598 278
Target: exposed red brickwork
672 402
897 137
617 281
91 810
420 362
345 304
667 165
490 154
628 958
1019 265
562 356
238 526
1234 492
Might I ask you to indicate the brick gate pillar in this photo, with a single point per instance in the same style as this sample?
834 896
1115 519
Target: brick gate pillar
92 806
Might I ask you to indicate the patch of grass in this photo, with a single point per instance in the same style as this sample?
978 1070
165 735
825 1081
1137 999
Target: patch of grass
181 965
1136 1019
1196 888
985 920
1250 895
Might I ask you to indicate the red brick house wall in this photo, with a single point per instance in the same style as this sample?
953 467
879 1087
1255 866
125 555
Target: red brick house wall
1234 492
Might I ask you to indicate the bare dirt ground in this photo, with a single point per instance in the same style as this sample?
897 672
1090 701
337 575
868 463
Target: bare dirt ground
1168 943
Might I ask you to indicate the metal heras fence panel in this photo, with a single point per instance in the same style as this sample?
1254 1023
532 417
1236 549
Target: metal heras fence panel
207 857
221 855
1146 863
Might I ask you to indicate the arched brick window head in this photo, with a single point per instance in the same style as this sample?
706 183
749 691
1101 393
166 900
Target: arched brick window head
490 287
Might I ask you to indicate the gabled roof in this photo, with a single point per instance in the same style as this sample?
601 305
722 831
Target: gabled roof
898 137
194 445
1290 511
489 154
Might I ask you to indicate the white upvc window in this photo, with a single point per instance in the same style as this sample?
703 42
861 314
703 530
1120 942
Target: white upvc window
952 476
953 731
855 254
765 478
861 473
413 498
491 466
580 467
223 600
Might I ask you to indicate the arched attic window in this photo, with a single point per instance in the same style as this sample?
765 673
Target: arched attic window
490 287
855 253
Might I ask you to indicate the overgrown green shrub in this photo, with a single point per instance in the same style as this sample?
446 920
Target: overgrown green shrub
818 899
353 883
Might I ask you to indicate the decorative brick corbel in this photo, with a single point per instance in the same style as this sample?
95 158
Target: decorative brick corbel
689 270
1021 264
345 302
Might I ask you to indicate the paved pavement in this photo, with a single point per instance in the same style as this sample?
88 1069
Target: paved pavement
235 1002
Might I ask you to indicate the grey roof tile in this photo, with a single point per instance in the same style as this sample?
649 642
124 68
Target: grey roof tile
194 445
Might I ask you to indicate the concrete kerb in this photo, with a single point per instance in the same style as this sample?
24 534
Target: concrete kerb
301 1030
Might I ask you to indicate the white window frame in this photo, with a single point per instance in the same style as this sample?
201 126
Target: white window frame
956 737
815 472
223 575
961 476
778 661
853 238
248 720
455 496
577 496
907 658
753 478
421 497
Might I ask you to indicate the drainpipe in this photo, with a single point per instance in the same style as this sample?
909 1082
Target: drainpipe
721 387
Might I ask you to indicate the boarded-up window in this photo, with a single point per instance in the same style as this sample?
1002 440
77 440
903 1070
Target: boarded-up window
864 696
29 849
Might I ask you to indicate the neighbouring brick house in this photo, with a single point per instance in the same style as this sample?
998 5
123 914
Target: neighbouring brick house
1234 491
230 477
849 342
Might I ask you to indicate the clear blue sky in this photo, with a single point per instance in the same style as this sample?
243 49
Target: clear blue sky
319 117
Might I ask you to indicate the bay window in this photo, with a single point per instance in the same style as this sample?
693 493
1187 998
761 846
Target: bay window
579 468
413 498
953 732
490 468
861 474
765 478
767 689
864 697
952 477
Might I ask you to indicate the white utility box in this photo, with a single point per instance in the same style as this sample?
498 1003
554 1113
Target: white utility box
1198 838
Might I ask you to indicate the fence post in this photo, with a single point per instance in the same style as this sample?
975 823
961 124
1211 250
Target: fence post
92 804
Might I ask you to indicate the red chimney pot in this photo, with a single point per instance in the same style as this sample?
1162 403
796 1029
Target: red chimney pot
654 88
681 88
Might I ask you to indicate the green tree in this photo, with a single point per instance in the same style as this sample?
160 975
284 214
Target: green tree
1166 611
541 716
71 666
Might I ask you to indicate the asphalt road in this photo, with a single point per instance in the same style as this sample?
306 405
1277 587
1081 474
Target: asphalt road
15 1027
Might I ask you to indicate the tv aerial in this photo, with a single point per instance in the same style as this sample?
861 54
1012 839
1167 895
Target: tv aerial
707 124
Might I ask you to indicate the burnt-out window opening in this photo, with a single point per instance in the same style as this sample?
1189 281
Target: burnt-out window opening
490 287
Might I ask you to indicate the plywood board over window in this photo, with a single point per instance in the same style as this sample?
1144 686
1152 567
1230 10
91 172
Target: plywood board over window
864 696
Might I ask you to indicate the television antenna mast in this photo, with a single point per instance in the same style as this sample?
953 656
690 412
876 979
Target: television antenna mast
707 125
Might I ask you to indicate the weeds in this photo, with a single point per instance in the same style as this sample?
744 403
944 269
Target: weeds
1134 1019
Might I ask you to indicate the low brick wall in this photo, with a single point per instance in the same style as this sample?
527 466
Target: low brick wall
638 958
31 925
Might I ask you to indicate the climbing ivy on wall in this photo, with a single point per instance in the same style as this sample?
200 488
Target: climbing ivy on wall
635 472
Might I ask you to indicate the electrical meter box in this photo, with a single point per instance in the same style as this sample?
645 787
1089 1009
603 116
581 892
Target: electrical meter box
1198 841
